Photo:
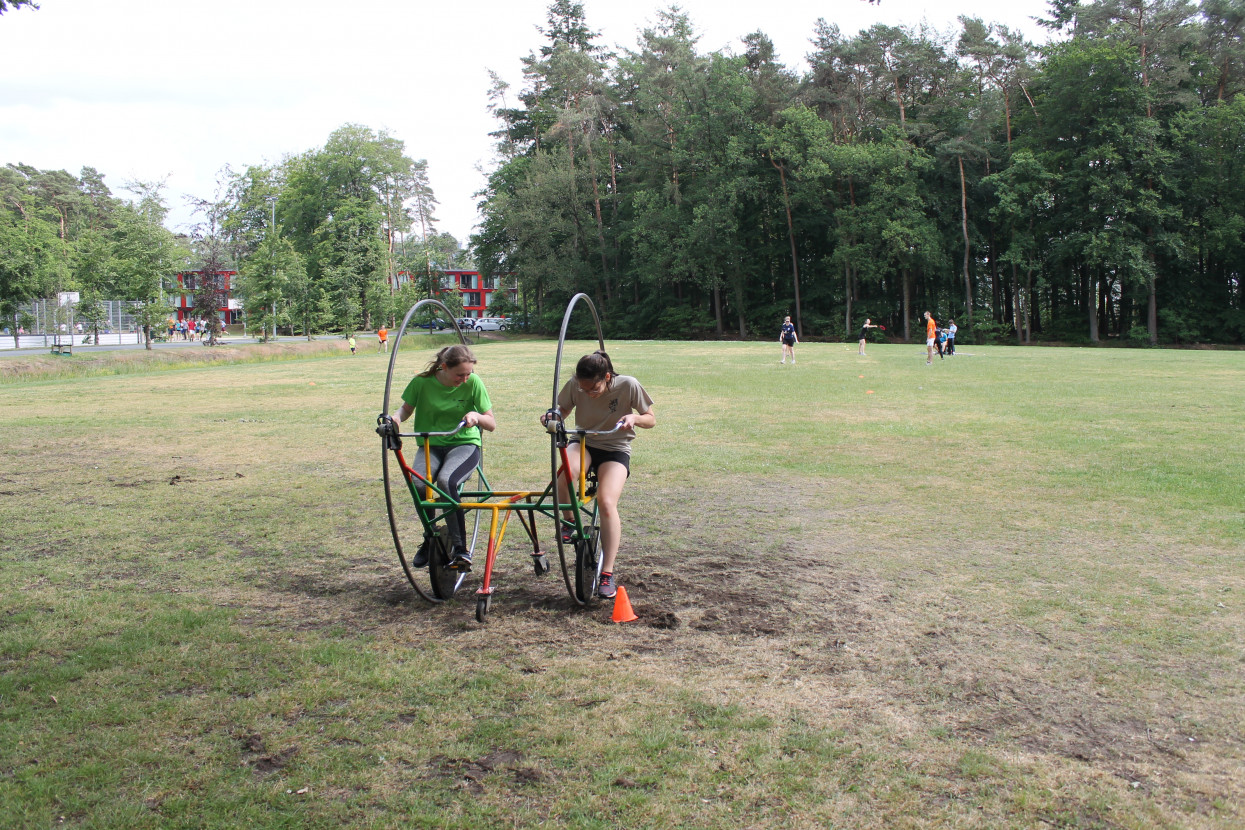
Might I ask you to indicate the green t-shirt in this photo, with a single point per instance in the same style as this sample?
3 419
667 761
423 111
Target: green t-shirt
439 408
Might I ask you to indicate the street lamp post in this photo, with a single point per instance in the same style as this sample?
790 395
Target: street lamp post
273 201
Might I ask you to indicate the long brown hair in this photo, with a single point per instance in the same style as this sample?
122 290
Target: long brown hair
595 367
448 358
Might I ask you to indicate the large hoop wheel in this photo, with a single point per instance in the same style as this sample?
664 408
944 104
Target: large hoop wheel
588 558
581 561
435 583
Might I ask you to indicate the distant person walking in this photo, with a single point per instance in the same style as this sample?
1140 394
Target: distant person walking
864 334
786 336
951 330
352 343
931 334
383 334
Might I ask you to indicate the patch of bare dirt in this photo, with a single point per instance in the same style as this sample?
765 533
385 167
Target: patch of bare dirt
255 754
790 627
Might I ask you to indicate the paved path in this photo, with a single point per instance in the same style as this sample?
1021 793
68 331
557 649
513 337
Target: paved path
40 348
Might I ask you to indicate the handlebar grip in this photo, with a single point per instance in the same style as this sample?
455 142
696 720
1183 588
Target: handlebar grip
552 418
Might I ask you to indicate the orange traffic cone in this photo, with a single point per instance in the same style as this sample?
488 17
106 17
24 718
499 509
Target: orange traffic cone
622 607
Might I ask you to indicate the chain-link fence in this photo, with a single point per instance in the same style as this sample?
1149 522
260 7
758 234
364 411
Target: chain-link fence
43 322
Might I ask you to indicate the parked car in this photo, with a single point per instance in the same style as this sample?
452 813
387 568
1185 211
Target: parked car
436 323
466 323
490 323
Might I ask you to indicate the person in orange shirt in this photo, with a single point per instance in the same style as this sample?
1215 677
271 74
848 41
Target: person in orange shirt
931 333
383 334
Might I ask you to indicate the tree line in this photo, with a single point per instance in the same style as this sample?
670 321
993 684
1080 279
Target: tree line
1084 189
317 240
60 232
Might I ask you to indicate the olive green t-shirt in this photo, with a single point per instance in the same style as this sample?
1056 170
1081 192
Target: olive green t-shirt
439 408
624 395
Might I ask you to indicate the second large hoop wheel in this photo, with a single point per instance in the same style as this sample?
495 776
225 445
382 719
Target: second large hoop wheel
588 557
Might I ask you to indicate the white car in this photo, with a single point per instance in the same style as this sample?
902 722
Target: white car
490 323
466 323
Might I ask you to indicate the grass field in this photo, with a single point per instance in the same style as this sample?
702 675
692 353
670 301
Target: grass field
1005 590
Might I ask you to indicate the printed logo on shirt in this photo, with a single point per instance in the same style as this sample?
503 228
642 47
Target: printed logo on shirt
614 405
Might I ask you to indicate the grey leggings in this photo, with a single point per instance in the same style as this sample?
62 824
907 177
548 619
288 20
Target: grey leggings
451 466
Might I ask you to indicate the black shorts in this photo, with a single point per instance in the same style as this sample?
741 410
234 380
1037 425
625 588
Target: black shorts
600 456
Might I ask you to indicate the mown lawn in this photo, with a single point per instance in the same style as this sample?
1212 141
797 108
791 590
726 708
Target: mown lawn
1005 590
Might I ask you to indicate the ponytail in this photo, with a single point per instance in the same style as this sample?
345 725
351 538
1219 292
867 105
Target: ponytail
448 358
595 367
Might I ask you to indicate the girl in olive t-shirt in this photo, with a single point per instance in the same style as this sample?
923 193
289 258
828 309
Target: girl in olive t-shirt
602 399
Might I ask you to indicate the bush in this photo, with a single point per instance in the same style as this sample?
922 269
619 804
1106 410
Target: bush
1177 326
1230 327
682 322
1066 329
1138 335
822 327
987 332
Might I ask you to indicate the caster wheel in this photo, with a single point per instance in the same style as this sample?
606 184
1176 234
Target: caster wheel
540 564
484 602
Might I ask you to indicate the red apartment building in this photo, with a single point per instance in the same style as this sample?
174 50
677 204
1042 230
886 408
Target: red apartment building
188 282
475 290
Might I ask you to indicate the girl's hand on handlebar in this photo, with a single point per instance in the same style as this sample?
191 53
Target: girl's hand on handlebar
483 420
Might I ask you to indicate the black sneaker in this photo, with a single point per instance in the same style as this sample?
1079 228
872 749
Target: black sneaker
460 560
421 557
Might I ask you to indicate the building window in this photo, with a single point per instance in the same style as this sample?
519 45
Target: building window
188 282
466 280
471 298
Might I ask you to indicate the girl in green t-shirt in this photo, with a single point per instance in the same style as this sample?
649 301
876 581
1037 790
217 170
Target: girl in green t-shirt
441 396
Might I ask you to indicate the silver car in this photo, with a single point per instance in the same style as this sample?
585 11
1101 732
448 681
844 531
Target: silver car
490 323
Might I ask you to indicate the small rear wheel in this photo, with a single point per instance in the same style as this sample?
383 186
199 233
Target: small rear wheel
588 558
484 603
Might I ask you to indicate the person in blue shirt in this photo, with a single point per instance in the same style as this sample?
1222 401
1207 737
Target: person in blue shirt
786 336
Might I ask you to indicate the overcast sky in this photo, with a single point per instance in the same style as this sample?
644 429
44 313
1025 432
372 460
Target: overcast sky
177 89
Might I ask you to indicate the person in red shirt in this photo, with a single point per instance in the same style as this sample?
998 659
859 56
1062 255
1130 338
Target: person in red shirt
931 334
